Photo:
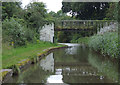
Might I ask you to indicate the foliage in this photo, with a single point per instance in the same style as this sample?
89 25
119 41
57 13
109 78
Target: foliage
118 12
84 40
87 10
63 37
10 9
35 15
60 16
71 36
30 35
22 25
107 43
112 11
68 36
14 31
75 37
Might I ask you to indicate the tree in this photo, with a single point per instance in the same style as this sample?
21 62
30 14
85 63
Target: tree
119 13
13 31
53 14
86 10
60 16
35 15
112 11
10 9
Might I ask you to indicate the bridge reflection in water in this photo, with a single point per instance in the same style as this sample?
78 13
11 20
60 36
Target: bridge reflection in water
78 64
78 68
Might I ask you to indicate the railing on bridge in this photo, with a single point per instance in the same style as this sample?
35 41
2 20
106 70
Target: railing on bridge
82 25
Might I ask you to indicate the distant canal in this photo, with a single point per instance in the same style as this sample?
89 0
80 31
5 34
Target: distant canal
77 64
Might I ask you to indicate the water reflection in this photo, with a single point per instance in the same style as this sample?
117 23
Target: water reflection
48 63
55 79
105 66
71 50
71 65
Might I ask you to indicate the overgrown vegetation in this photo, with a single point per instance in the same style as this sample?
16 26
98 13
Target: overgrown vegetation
23 25
83 11
20 30
81 40
14 32
107 43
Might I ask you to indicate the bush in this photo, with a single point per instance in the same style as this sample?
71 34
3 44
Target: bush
107 43
29 34
75 38
14 32
84 40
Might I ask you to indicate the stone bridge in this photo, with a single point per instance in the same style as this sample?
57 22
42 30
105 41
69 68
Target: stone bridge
94 26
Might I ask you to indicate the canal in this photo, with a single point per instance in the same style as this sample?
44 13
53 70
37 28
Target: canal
78 64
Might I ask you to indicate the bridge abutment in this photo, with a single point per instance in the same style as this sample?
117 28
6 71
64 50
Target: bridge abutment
90 26
47 33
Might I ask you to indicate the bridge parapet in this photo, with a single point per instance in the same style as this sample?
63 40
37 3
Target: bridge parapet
92 26
82 24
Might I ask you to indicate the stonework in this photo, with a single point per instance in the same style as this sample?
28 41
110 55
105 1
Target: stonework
8 74
47 33
112 27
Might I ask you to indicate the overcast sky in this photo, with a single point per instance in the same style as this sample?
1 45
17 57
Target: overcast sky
52 5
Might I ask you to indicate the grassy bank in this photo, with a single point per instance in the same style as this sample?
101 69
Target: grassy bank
107 43
12 55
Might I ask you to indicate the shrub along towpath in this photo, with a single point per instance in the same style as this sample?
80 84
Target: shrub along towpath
106 44
17 58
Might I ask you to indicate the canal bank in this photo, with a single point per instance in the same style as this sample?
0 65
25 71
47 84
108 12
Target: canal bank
106 44
19 67
78 64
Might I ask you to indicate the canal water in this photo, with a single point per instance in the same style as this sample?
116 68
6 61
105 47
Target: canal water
78 64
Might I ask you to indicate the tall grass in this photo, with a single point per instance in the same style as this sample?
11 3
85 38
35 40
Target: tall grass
106 43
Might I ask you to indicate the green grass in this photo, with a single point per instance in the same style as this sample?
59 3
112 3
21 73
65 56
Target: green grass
11 56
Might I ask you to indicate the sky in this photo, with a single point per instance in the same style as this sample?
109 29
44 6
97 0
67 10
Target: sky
52 5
